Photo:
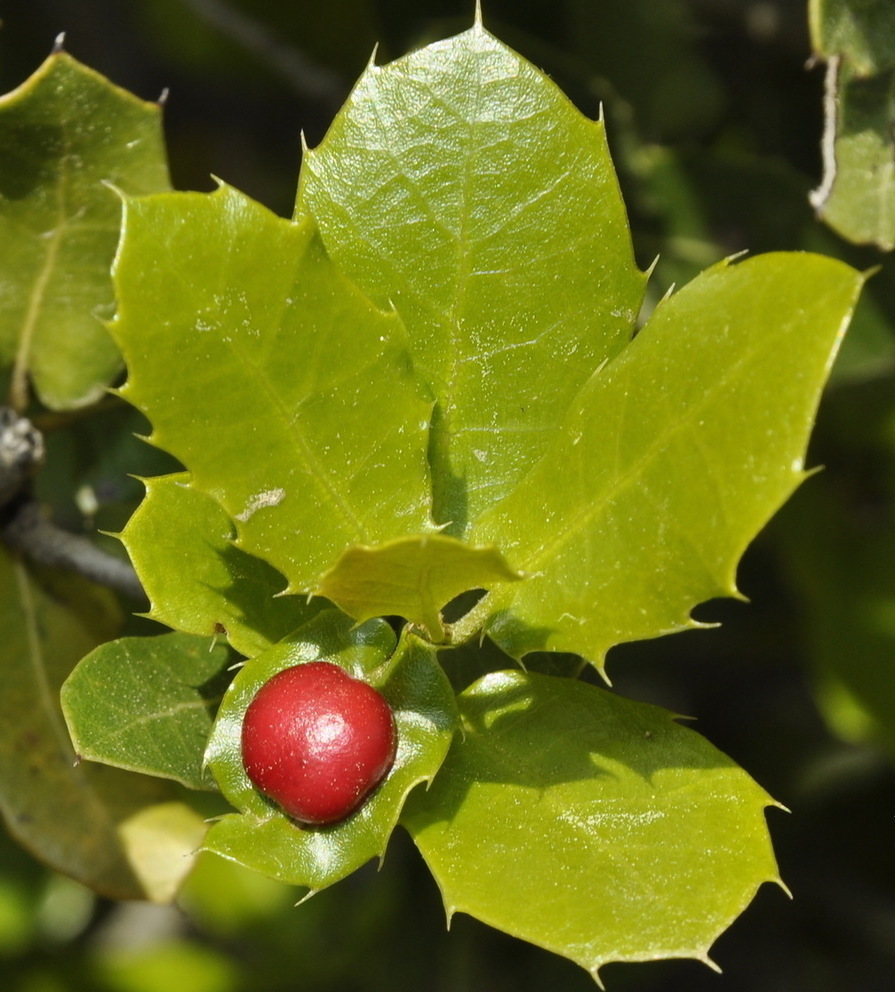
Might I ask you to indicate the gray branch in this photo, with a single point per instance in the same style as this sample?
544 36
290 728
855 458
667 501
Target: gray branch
25 530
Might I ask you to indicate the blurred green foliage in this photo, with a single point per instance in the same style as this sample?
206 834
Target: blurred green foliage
715 125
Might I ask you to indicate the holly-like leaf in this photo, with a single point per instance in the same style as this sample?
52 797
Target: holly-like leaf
291 400
424 707
158 718
591 825
670 460
857 194
64 135
413 577
82 819
462 186
219 589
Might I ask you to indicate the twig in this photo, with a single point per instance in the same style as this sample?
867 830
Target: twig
28 532
25 530
307 78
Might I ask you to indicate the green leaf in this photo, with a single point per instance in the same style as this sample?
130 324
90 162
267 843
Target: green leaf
460 185
424 707
181 544
85 820
847 587
670 461
291 400
591 825
857 194
145 704
863 31
412 577
65 133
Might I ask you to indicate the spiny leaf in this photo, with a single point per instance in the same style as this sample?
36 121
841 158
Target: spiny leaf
413 577
291 400
670 461
590 825
461 185
424 707
219 589
65 133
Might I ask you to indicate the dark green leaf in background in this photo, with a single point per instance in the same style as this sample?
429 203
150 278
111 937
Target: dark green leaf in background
589 824
424 707
145 704
462 186
63 134
123 835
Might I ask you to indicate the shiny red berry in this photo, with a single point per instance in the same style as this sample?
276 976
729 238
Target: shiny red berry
317 741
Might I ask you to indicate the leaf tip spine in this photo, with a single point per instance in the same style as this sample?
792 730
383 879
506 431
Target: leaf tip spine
477 19
162 100
595 975
707 960
59 44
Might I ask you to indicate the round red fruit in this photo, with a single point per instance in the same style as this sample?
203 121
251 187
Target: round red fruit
318 741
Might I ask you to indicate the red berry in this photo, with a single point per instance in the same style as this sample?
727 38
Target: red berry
317 741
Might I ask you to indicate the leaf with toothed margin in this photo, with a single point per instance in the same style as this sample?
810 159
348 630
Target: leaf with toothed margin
287 395
590 825
462 186
412 577
424 706
220 590
65 134
670 461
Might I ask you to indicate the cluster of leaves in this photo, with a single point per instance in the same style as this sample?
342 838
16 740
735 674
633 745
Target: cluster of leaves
427 384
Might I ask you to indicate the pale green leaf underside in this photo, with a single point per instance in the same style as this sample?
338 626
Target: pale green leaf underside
413 577
591 825
220 590
462 186
857 194
63 134
862 31
145 704
284 392
670 460
424 706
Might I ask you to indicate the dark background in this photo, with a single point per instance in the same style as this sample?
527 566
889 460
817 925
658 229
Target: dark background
714 119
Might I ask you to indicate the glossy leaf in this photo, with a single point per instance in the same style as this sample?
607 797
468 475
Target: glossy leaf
65 134
219 589
291 400
146 704
73 815
670 461
412 578
591 825
857 193
460 185
424 707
